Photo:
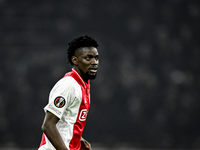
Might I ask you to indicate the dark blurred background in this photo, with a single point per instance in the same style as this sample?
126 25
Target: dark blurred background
147 91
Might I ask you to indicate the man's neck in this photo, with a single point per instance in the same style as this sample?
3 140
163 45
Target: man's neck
83 76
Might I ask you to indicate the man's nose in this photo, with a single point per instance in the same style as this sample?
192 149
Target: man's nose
94 61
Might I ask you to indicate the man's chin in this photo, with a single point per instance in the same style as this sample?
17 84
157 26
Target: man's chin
92 77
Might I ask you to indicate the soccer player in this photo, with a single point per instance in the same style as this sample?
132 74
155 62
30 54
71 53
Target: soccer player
69 99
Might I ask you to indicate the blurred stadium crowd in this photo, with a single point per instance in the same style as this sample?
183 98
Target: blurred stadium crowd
147 91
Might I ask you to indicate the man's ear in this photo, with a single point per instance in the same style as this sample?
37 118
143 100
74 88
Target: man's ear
75 60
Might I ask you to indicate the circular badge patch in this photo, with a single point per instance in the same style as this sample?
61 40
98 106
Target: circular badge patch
59 102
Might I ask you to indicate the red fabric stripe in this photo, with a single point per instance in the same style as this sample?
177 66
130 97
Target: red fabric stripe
75 143
43 141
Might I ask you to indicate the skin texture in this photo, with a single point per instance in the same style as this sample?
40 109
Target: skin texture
50 130
86 61
85 145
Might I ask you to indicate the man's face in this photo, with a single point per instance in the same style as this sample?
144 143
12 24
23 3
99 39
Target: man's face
87 62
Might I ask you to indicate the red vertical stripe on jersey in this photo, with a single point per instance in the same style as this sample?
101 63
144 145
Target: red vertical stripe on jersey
43 141
79 125
78 128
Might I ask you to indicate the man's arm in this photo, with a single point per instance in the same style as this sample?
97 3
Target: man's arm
50 130
85 145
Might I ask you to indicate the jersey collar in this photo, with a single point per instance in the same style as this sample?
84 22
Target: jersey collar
80 78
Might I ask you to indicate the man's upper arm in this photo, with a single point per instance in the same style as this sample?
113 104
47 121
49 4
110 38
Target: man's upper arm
50 118
61 96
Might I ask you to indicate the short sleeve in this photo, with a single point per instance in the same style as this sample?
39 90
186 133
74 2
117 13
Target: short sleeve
60 97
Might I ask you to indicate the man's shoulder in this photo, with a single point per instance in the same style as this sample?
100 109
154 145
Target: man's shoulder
68 80
66 84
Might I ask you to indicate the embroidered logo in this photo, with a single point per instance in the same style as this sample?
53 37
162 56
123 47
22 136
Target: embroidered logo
83 115
59 102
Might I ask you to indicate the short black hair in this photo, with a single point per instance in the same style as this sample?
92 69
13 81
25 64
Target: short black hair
82 41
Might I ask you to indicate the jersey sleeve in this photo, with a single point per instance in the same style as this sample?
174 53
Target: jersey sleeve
60 97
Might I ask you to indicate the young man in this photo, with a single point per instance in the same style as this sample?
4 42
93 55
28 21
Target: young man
69 99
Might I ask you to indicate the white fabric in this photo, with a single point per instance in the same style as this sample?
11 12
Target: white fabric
70 90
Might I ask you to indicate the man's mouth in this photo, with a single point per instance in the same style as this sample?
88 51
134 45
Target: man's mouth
93 70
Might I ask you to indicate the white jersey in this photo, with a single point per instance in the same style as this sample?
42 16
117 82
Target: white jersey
69 100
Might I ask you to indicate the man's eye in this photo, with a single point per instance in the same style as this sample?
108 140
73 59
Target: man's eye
87 58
